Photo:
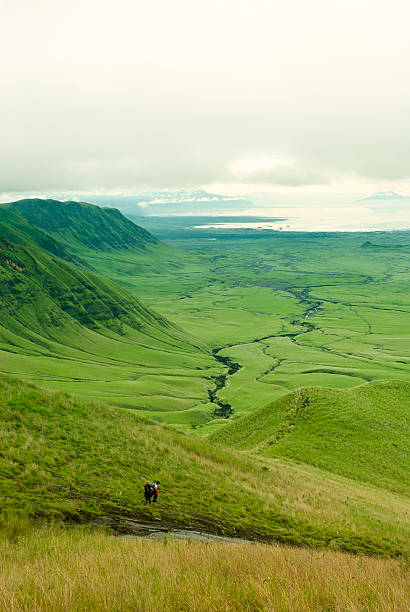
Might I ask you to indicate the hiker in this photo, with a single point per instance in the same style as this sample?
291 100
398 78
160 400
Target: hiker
155 490
148 492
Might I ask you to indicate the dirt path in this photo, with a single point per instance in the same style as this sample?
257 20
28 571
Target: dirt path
155 531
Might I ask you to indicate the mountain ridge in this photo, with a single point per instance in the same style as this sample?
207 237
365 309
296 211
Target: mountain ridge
83 224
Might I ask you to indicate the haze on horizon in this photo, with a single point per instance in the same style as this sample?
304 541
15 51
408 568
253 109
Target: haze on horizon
298 104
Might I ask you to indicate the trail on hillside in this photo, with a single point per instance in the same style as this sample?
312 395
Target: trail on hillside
156 531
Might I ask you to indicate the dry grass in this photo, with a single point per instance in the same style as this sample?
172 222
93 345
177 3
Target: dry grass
67 570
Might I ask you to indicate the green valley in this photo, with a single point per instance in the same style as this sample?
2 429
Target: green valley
278 364
262 312
205 306
262 378
292 309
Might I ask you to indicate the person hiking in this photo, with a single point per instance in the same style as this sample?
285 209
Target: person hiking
155 489
148 492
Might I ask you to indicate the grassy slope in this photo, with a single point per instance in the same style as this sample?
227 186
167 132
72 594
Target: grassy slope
103 237
66 457
67 570
79 224
360 433
74 330
16 229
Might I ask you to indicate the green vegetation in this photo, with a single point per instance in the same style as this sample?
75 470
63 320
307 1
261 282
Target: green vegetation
71 329
79 224
80 570
292 309
283 360
67 458
103 235
361 433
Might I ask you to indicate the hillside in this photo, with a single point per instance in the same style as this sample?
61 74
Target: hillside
29 276
102 239
74 330
54 569
362 433
80 224
16 229
77 460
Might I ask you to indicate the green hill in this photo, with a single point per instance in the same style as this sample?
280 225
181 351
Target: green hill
31 276
84 225
362 433
102 239
16 229
77 460
71 329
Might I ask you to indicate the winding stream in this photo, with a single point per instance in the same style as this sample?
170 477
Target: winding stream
224 409
311 307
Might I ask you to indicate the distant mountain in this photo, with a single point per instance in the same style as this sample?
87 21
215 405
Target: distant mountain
173 203
37 268
386 195
198 207
84 225
100 239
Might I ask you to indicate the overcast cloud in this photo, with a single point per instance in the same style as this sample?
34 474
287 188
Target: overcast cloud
246 96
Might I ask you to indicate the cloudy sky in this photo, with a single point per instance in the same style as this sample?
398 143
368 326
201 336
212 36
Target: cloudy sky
297 101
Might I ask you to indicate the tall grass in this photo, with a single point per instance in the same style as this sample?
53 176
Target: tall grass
67 570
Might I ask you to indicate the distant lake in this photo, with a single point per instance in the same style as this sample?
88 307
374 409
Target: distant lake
316 220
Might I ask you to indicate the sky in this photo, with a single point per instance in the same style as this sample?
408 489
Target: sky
290 103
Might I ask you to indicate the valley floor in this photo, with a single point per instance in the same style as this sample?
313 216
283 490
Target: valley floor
292 310
236 318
